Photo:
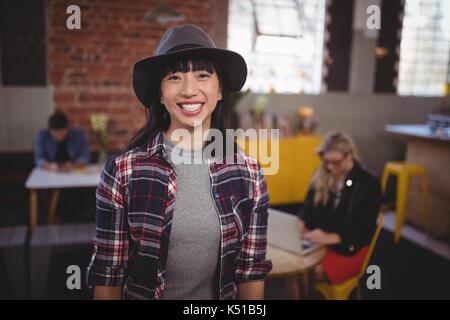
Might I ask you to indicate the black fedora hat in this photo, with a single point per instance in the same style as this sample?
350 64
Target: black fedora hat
191 39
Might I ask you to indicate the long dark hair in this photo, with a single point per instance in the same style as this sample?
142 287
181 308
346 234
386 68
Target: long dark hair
158 119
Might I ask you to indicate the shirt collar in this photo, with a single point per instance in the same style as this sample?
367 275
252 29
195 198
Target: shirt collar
157 145
355 172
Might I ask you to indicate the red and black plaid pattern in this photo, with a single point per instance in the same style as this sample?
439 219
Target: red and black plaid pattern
135 202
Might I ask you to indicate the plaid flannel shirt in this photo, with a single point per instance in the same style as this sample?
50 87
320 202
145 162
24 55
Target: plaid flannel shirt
135 203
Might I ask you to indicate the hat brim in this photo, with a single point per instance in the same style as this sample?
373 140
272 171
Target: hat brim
232 63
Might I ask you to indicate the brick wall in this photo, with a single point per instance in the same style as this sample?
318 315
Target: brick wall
91 69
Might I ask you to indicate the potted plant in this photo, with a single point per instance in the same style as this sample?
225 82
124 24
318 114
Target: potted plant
99 124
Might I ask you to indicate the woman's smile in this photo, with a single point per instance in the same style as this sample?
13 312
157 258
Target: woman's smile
191 108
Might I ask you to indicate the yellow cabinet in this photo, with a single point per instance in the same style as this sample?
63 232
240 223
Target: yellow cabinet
296 164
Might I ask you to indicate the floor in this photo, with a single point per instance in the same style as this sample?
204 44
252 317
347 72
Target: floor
417 237
415 268
408 271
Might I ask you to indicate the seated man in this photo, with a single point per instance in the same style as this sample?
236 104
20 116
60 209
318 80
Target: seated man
60 148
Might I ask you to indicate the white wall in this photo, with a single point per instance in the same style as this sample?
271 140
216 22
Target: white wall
23 112
361 115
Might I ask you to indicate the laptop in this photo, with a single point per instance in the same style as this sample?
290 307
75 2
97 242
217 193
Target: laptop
282 232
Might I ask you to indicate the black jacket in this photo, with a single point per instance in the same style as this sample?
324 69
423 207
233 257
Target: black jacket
354 219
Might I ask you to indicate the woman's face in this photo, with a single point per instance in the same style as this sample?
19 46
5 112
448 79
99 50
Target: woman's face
337 162
190 98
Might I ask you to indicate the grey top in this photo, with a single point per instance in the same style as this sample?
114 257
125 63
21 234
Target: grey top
192 270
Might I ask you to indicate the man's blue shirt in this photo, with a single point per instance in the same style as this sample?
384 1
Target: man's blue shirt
77 146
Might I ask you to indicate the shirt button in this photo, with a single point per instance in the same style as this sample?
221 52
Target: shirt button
217 195
349 183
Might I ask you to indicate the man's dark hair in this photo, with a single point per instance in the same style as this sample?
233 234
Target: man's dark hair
58 121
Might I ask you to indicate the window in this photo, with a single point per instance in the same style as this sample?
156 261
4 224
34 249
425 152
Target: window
22 39
424 48
281 41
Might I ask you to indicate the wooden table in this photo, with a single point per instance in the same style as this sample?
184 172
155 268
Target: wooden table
43 179
301 268
433 152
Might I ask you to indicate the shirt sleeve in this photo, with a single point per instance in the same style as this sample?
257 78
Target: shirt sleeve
108 265
361 229
307 209
82 153
39 150
252 264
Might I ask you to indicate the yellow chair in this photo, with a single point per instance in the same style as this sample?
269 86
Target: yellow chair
404 171
342 291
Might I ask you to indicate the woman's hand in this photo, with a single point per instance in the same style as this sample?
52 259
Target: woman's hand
107 293
253 290
301 227
320 236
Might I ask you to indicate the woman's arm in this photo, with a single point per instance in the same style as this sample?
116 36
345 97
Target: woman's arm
320 236
109 261
363 224
39 149
253 290
252 264
81 146
306 213
107 293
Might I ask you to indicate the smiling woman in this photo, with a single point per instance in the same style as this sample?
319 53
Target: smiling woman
211 254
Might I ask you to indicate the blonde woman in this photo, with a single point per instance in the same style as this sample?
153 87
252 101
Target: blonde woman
340 209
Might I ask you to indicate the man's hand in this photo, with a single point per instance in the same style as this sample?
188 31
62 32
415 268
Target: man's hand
63 167
51 166
66 167
319 236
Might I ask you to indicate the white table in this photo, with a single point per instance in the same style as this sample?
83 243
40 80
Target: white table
43 179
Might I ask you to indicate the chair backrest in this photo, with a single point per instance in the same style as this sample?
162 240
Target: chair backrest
372 244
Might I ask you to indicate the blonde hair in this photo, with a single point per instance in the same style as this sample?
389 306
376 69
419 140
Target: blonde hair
323 181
